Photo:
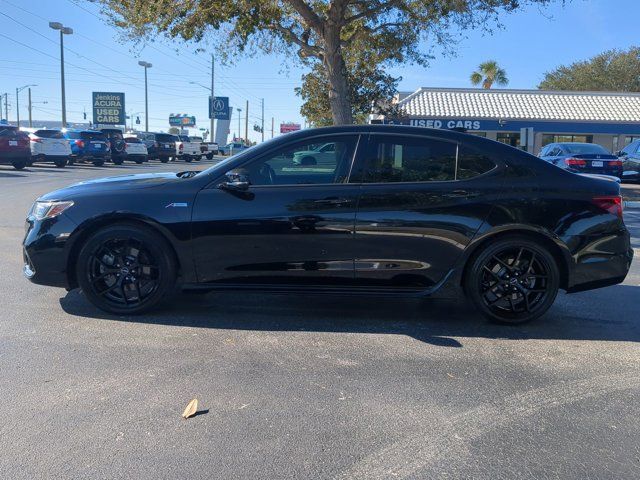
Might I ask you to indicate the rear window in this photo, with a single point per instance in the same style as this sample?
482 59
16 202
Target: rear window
132 140
183 138
93 136
196 139
72 135
165 137
586 148
7 131
48 134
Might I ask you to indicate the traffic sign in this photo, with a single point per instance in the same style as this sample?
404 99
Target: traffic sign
219 108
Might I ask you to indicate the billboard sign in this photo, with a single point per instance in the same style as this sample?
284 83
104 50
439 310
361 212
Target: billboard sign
289 127
219 108
182 120
108 108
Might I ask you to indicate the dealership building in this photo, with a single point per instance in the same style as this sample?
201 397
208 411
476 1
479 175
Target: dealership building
528 119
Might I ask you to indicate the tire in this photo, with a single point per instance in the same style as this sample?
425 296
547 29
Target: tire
209 156
126 269
513 280
139 161
164 159
19 164
98 163
188 159
198 158
118 161
61 163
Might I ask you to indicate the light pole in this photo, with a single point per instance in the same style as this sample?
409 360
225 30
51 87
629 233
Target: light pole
63 31
18 90
146 65
239 112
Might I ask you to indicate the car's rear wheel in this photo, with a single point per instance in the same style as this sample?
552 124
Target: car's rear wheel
209 156
98 163
126 269
513 280
19 164
61 163
164 159
187 159
118 161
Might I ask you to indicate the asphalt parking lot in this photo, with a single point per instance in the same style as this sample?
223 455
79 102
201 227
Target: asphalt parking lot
308 387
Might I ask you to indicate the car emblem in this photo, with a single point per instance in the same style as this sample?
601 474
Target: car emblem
177 205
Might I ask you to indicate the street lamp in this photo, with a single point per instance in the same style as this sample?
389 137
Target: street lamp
18 90
63 31
239 111
146 65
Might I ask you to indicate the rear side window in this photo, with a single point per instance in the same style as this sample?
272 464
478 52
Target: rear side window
392 159
48 134
93 136
472 162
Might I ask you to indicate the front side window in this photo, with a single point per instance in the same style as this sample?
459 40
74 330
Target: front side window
408 159
317 161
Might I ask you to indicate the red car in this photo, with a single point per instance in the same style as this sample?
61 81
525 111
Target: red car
15 148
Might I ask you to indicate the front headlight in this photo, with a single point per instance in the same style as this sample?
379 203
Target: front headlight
42 210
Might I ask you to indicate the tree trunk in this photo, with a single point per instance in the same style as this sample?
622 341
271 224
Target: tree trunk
336 75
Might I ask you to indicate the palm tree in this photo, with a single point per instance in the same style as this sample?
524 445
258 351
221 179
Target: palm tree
489 73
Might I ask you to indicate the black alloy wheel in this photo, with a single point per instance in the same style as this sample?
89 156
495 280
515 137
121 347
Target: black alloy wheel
125 269
514 280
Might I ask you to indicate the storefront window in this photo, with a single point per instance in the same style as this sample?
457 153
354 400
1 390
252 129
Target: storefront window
630 139
548 138
512 139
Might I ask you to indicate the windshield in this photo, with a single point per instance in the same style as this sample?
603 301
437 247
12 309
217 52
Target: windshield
48 134
577 149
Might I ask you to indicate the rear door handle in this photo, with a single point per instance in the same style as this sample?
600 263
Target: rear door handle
333 201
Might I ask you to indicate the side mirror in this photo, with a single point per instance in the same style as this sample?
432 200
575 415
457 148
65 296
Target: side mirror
236 182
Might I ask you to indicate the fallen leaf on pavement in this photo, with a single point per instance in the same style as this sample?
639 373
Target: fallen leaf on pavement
191 409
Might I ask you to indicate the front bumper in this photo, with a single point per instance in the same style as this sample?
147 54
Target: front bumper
45 250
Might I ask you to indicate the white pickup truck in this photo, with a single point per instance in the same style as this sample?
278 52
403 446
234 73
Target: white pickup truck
208 149
187 150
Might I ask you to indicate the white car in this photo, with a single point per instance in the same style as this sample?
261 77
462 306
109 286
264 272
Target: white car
49 145
325 153
135 150
187 150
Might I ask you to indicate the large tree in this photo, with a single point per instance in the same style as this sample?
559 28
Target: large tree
613 70
316 30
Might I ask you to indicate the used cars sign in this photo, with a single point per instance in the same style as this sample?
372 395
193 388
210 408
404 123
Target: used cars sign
108 108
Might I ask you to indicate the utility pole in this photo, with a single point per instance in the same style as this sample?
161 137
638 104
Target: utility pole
30 122
262 120
272 125
18 107
246 124
239 116
212 97
146 66
6 106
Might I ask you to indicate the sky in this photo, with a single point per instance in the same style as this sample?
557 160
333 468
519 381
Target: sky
529 42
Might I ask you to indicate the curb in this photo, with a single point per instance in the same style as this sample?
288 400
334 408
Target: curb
634 204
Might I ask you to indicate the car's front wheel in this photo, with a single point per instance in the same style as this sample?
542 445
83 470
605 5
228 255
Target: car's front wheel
19 164
126 269
513 280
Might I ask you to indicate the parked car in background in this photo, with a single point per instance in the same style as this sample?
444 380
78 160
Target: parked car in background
400 211
14 147
88 146
582 158
316 155
135 150
116 140
49 145
209 149
160 146
187 150
630 158
232 148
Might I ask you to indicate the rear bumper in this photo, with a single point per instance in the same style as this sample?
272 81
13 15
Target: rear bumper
600 262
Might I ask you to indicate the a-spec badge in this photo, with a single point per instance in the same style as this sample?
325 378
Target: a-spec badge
177 205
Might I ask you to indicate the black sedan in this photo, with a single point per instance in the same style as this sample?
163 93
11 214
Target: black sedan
397 211
583 158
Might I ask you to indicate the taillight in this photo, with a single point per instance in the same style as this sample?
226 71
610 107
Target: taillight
612 204
108 144
156 144
615 163
575 162
80 143
36 140
181 147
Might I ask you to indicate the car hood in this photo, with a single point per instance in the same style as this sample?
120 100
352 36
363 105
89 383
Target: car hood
109 184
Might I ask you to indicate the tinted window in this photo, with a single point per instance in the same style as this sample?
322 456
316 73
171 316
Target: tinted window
49 133
585 148
183 138
93 136
408 159
472 162
164 137
132 140
304 163
6 131
72 135
196 139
